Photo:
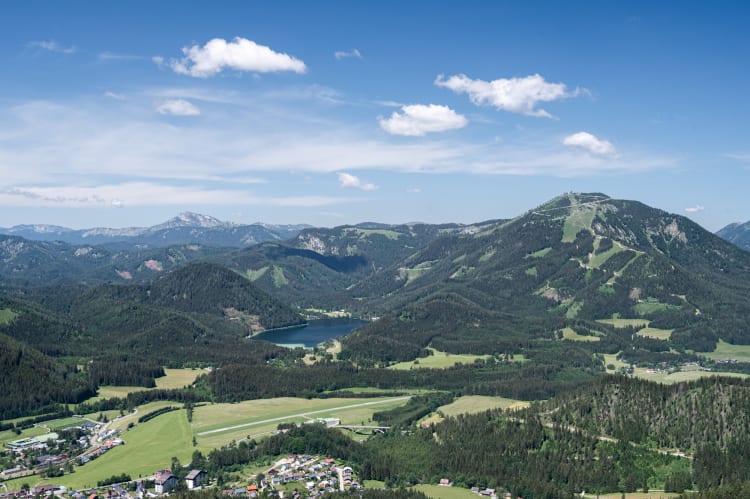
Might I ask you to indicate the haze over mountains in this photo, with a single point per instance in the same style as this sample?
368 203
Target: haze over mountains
185 228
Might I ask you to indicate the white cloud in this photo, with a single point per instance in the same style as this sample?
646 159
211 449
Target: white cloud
178 107
112 56
695 209
91 142
148 194
113 95
344 54
413 190
515 95
240 54
590 143
738 156
348 181
53 46
418 119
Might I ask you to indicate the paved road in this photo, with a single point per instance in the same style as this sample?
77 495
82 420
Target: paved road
303 415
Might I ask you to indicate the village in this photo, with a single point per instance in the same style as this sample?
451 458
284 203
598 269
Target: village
53 454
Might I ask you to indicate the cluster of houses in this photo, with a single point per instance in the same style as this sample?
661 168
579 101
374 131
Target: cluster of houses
313 473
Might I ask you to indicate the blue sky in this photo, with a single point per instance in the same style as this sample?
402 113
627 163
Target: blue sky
125 114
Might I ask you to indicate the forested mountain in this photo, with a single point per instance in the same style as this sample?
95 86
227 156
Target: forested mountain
318 266
736 233
32 263
185 228
576 262
197 313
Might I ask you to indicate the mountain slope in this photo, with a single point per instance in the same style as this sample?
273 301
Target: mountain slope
31 263
198 313
316 268
573 262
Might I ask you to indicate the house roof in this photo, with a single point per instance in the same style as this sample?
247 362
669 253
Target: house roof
193 474
162 476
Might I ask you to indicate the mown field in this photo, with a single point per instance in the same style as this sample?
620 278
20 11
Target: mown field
440 492
175 378
438 360
218 424
727 351
472 404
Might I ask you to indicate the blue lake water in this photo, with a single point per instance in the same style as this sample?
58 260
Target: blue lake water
315 332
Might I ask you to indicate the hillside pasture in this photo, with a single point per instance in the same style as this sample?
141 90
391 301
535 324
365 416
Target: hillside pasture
472 404
727 351
655 333
438 360
570 334
175 378
6 316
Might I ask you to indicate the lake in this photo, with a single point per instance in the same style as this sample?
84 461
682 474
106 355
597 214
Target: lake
314 333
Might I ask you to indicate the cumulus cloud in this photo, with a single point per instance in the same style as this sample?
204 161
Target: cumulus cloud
695 209
239 54
418 119
515 95
590 143
344 54
348 181
178 107
53 46
113 95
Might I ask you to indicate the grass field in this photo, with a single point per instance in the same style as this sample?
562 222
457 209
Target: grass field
570 334
598 260
580 218
390 234
539 254
651 305
656 333
680 376
254 275
9 435
7 315
472 404
260 417
611 358
439 492
175 378
622 323
727 351
438 360
633 495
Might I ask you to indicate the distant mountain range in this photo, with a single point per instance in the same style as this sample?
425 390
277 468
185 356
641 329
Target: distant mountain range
737 233
185 228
